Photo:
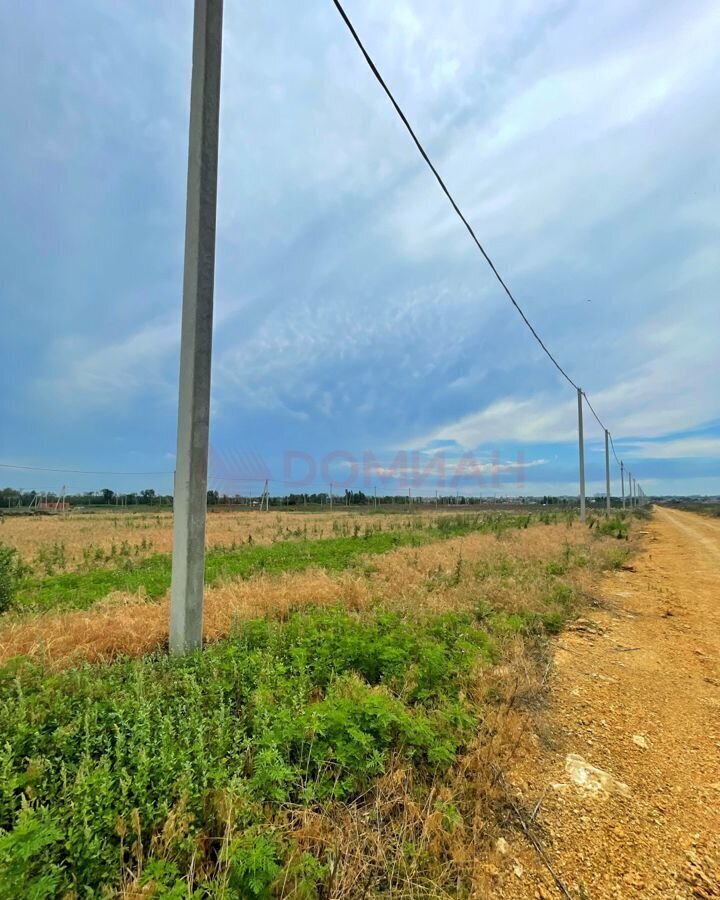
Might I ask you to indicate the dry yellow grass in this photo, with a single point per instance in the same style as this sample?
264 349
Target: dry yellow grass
410 835
406 837
450 826
450 574
80 534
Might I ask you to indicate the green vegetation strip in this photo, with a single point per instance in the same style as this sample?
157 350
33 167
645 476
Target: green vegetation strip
79 590
196 760
181 778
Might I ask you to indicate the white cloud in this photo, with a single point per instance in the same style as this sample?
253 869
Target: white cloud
532 420
580 140
679 448
113 375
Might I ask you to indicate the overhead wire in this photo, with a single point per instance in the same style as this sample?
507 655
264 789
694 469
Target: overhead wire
77 471
374 69
447 193
597 417
460 215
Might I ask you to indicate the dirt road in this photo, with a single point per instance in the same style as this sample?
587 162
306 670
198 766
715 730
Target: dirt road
635 692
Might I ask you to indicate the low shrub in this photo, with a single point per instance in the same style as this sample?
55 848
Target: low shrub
183 765
610 526
8 576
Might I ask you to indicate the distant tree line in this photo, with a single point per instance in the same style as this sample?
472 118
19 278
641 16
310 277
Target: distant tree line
347 498
10 497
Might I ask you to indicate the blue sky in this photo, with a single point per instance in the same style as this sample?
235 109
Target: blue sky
353 315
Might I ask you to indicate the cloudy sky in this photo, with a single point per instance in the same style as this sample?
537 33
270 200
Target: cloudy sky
358 332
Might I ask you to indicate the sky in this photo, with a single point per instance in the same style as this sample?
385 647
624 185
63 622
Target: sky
359 336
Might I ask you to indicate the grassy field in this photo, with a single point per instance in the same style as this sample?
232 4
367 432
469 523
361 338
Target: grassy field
83 540
126 572
339 736
698 506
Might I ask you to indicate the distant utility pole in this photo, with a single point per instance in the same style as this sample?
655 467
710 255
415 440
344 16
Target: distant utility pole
331 496
375 496
581 446
607 468
622 482
188 557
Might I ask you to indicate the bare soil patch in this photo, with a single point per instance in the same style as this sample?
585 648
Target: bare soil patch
635 693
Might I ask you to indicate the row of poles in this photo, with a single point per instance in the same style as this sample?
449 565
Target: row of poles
188 558
264 502
635 494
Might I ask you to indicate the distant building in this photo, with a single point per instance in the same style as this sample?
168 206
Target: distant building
52 506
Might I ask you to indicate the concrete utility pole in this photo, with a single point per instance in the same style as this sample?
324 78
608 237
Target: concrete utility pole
622 483
607 468
581 445
188 558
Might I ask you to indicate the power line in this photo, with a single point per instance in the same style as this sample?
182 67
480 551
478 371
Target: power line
453 203
601 424
76 471
447 193
462 218
597 417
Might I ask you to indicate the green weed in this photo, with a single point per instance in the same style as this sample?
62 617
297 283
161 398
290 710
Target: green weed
97 761
79 590
610 526
12 571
